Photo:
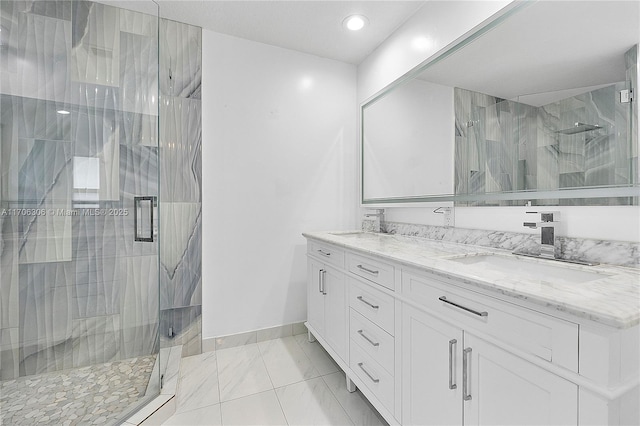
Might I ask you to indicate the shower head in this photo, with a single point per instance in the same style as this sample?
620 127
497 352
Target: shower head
579 128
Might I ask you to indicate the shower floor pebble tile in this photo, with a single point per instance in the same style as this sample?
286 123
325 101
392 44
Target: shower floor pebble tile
286 381
94 395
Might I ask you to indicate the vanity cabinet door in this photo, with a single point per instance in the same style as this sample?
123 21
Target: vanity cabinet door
335 311
315 296
503 389
432 370
326 305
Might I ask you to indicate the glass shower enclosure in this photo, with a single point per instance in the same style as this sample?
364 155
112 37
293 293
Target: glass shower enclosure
79 187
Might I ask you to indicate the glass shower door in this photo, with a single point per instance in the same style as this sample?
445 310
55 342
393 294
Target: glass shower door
79 253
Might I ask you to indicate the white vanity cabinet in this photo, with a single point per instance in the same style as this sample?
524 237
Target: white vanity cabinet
427 348
452 377
326 297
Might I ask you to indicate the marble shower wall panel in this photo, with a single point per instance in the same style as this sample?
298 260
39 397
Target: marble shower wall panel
96 135
180 147
9 272
139 305
45 306
139 73
180 60
95 44
9 353
181 183
180 255
44 181
139 23
96 340
97 266
36 44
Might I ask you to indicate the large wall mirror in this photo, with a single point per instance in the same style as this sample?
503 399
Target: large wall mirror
535 106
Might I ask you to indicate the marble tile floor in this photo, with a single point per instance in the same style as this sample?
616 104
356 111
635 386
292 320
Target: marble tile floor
93 395
284 381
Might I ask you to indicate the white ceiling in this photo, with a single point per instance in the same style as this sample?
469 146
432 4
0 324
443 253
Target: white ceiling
308 26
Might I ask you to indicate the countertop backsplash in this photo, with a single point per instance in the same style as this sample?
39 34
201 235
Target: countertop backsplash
610 252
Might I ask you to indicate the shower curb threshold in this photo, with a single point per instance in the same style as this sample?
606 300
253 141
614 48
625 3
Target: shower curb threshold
162 406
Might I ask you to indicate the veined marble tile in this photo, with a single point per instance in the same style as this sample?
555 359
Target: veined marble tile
96 135
138 129
206 416
181 254
96 43
259 409
234 340
9 272
198 385
181 120
139 73
96 340
311 403
45 357
180 59
37 52
138 176
241 372
358 408
139 308
274 332
9 353
138 23
321 360
286 361
45 302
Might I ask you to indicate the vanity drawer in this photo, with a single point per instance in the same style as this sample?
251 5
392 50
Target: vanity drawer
372 269
547 337
373 304
375 378
328 253
373 340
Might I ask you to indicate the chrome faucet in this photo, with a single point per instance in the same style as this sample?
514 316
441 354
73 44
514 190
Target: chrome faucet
379 218
547 225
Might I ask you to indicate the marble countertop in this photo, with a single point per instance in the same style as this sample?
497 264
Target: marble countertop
606 294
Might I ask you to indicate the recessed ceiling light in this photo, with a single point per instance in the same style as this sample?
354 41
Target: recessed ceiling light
63 112
355 22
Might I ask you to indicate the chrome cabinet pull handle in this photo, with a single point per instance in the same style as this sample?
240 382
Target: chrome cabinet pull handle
368 339
465 374
321 281
324 253
367 303
480 314
368 374
372 272
451 366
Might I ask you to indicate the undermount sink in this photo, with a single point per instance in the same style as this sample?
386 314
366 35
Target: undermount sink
523 268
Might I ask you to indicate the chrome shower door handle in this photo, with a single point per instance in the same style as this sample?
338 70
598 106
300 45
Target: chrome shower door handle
452 385
143 218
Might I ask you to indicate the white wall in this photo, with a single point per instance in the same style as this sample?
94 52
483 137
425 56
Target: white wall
279 132
435 26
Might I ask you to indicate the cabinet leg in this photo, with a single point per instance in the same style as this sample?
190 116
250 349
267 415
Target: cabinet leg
351 387
310 337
